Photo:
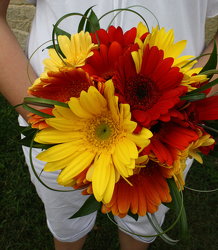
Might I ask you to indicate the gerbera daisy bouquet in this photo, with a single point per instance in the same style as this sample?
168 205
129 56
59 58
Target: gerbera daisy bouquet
121 114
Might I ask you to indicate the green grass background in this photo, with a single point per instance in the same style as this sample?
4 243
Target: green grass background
22 219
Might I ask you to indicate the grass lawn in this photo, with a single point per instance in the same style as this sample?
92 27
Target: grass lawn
22 220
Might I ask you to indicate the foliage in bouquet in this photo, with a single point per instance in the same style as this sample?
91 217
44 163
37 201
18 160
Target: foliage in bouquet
124 111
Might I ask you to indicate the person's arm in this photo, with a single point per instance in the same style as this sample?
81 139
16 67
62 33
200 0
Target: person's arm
14 80
203 60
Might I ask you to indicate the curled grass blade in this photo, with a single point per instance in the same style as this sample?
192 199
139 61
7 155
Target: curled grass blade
36 175
44 102
124 9
153 221
135 6
206 86
36 112
178 198
201 191
56 26
192 98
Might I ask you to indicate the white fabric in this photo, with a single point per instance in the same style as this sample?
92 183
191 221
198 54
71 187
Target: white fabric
186 17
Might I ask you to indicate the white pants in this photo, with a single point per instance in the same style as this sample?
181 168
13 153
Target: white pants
60 206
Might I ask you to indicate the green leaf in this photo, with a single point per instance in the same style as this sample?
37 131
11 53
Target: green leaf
29 134
204 87
44 102
57 48
36 112
209 72
60 32
26 130
90 206
212 61
193 98
134 216
177 206
92 24
84 20
38 176
26 141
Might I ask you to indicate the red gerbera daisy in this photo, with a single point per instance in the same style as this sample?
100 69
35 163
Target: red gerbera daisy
168 141
113 44
203 110
115 34
153 90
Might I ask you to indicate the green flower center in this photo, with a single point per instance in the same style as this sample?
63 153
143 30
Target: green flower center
103 131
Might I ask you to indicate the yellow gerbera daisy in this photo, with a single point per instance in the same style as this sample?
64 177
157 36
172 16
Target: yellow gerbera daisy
95 133
203 141
164 40
76 50
192 151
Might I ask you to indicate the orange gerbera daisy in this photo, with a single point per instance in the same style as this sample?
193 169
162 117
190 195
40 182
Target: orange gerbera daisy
62 85
37 121
148 190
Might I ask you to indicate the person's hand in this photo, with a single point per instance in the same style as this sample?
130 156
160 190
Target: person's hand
3 8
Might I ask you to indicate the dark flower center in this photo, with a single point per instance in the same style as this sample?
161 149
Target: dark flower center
141 92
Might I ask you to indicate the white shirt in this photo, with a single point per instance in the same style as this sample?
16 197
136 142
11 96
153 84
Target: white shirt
186 17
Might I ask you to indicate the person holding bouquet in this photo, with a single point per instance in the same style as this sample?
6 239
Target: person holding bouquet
14 81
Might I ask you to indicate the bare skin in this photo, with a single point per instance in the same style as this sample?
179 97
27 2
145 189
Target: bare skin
128 243
77 245
14 83
14 80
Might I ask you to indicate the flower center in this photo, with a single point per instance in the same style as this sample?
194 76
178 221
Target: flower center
102 133
141 92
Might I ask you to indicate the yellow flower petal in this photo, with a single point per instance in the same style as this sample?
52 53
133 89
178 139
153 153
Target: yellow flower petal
75 106
76 166
175 49
59 151
52 136
93 101
142 139
121 168
66 113
137 58
101 175
58 165
65 45
110 186
90 173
